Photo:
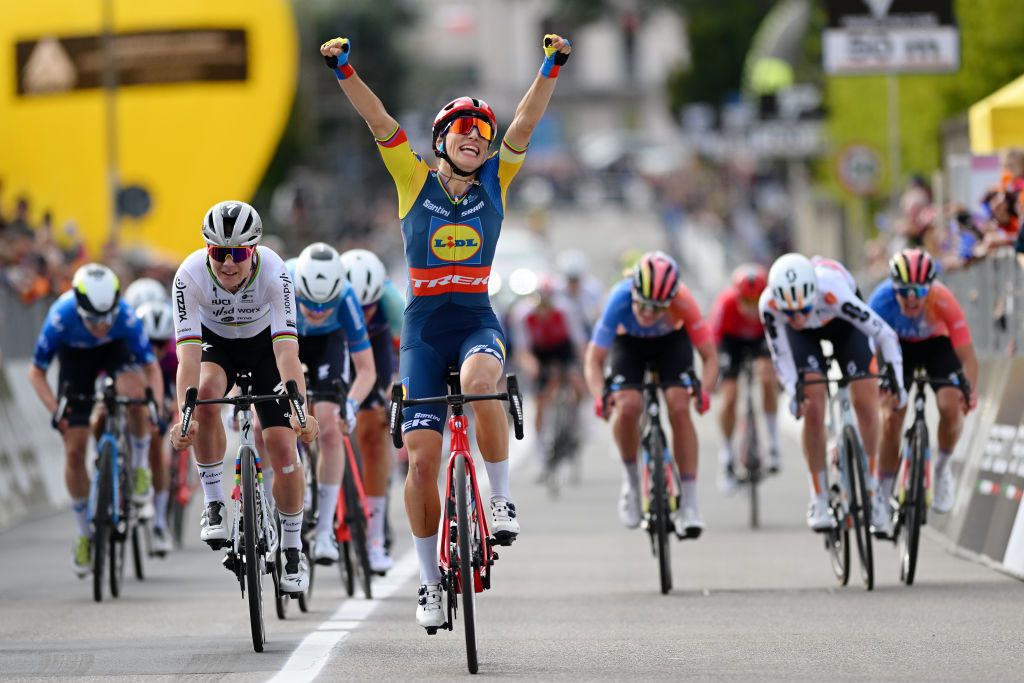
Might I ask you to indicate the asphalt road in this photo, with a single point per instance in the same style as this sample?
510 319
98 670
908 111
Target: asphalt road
575 598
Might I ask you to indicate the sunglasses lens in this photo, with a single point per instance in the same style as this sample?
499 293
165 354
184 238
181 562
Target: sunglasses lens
464 125
94 318
803 311
920 291
220 254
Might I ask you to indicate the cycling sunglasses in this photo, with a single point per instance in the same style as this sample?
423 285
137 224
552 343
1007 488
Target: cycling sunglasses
237 254
920 291
317 307
96 318
806 310
465 124
650 307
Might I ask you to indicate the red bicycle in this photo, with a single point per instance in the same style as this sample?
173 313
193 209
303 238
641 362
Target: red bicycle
184 482
350 526
467 550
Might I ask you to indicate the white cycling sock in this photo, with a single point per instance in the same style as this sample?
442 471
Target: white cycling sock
632 475
822 488
426 551
688 494
291 529
885 487
943 460
328 505
375 525
773 431
210 477
160 499
140 450
497 475
725 456
81 508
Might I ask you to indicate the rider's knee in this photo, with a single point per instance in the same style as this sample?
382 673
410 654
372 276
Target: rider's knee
814 410
280 447
478 383
949 409
628 405
330 433
423 468
678 408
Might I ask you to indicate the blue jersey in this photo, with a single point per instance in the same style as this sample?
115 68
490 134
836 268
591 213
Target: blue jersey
64 327
345 314
618 318
389 313
449 241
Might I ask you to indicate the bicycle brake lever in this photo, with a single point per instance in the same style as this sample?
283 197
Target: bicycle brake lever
292 387
394 417
191 395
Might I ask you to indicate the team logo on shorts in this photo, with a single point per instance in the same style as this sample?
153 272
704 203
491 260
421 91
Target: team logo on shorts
455 242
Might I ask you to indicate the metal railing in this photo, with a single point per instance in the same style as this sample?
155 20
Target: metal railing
989 291
20 324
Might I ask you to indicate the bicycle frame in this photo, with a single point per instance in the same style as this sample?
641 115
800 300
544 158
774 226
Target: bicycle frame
458 426
247 440
651 429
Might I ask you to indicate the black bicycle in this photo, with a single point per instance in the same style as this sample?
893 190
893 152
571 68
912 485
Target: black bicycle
467 549
911 497
562 442
751 461
847 478
660 483
113 517
253 543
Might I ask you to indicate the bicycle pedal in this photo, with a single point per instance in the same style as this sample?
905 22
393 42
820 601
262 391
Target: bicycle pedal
230 562
217 543
503 538
431 630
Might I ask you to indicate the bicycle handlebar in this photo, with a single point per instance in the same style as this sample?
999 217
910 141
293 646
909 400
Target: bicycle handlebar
688 380
511 394
192 400
108 397
887 375
957 381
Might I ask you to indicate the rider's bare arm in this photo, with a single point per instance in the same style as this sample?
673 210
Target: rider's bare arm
593 368
366 103
534 103
366 375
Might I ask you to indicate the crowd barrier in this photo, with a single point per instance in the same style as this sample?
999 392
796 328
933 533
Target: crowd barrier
987 521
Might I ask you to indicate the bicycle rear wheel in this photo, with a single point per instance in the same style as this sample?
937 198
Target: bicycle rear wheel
913 505
251 541
659 510
467 584
175 505
101 517
860 504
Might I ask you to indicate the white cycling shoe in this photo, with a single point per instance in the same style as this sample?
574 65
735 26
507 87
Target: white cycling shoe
819 517
881 517
944 490
161 543
505 526
380 561
430 613
688 523
295 577
629 506
212 527
325 549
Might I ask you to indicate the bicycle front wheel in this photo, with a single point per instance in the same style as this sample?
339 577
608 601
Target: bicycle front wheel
467 585
913 505
355 516
252 545
101 516
837 539
860 504
119 532
660 512
752 464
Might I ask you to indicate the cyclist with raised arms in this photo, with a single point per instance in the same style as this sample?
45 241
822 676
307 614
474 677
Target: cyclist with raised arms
652 318
90 329
934 335
451 219
807 301
158 321
739 335
330 321
383 307
235 311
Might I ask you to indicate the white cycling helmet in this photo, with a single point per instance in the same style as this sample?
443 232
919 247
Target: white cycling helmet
572 263
157 320
366 274
793 283
143 291
96 288
232 224
319 273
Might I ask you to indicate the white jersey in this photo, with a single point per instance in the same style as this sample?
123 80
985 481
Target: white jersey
266 300
837 298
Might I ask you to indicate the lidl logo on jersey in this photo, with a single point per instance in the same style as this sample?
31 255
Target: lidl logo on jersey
455 242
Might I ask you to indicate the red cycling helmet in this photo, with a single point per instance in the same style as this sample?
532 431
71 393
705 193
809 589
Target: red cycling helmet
912 267
462 106
655 278
750 279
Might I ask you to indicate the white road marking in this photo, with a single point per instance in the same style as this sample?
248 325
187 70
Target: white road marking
309 658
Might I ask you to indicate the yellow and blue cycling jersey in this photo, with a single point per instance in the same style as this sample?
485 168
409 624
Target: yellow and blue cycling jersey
449 246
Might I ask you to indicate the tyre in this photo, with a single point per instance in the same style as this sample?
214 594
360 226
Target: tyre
913 505
280 599
660 512
101 516
345 566
253 550
119 531
752 464
838 539
860 504
467 585
138 550
355 517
